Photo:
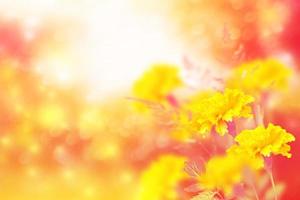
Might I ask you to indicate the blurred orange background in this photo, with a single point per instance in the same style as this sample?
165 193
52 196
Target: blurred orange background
67 128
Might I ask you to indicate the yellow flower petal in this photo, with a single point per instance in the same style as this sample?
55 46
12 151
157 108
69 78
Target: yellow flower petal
159 181
157 82
216 110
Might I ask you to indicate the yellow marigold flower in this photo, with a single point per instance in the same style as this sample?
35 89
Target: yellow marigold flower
216 110
260 75
266 141
159 181
222 173
157 83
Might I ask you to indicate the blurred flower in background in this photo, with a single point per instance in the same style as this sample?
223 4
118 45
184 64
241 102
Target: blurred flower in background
148 99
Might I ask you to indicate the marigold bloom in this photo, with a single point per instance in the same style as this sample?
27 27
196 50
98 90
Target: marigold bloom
259 76
159 181
266 141
222 173
216 110
157 83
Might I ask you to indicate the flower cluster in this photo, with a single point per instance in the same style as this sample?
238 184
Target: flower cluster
209 112
223 172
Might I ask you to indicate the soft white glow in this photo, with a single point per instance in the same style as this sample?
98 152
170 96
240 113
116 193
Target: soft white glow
114 46
121 44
